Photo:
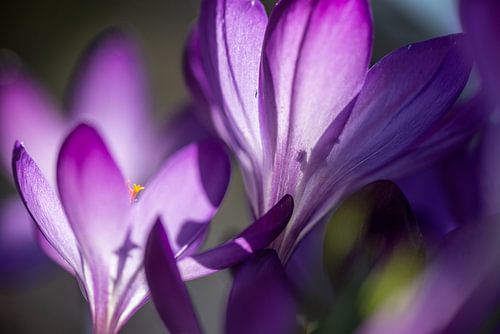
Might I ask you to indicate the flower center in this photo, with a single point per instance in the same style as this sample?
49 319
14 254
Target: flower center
134 191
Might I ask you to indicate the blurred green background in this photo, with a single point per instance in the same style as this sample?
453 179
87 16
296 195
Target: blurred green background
49 37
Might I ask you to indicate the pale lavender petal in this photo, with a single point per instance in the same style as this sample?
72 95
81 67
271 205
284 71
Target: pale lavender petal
27 114
93 192
186 194
45 208
315 58
168 291
458 290
257 236
261 300
231 35
97 203
480 21
110 92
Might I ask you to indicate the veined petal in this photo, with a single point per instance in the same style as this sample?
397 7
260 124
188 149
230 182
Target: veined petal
480 21
261 300
411 89
186 194
28 114
45 208
168 291
315 58
109 91
257 236
231 34
405 96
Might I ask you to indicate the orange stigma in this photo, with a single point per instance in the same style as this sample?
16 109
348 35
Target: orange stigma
134 191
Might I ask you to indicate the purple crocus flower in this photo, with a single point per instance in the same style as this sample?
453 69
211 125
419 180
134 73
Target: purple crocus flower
294 99
260 300
108 90
97 225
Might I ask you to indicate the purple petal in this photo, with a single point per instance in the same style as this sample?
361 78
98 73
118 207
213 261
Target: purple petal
97 203
316 55
168 291
231 34
109 91
457 291
411 89
306 271
51 252
186 194
480 21
27 114
45 208
93 192
260 300
257 236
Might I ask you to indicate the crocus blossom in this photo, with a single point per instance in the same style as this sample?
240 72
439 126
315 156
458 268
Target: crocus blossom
108 90
260 300
293 97
97 225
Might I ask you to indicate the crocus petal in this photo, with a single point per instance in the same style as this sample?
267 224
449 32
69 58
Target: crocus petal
306 271
257 236
97 203
168 291
315 58
27 114
231 34
480 21
51 252
459 288
260 300
109 91
186 194
411 89
45 208
93 192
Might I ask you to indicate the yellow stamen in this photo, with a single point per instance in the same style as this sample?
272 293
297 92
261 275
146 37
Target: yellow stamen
134 191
